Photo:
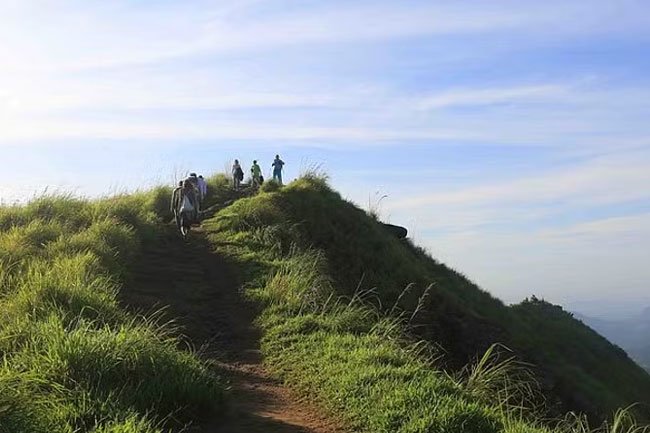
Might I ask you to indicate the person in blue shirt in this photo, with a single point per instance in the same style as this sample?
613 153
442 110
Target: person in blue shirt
277 169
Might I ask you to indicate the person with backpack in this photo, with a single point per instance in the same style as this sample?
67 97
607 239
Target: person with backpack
188 211
193 181
277 169
256 175
237 175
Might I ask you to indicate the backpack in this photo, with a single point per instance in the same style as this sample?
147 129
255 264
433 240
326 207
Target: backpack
240 174
261 179
186 205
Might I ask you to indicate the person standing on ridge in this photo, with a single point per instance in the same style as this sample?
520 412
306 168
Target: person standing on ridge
203 188
237 175
277 169
256 174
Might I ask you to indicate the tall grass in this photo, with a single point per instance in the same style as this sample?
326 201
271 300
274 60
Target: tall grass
340 347
623 421
338 324
72 359
352 345
499 376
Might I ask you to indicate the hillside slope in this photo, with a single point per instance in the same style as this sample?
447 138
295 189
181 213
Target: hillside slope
357 322
72 359
79 356
578 369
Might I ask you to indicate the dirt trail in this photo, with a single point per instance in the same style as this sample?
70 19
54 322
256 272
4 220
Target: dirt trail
202 294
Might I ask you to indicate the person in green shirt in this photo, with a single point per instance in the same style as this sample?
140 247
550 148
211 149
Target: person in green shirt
256 174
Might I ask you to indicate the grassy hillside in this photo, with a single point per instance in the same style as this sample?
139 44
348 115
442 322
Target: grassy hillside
368 326
73 359
333 281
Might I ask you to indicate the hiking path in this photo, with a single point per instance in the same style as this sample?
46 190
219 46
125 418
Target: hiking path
201 291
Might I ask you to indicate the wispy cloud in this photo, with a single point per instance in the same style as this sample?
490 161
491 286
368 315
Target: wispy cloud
48 89
49 130
100 35
479 97
152 105
620 230
598 181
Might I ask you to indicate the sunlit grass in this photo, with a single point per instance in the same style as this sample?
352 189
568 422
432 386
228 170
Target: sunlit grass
351 343
73 359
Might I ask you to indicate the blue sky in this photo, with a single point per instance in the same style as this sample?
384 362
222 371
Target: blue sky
511 137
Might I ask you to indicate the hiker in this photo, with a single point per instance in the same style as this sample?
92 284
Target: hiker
203 188
256 175
194 180
277 169
188 210
176 203
194 183
237 175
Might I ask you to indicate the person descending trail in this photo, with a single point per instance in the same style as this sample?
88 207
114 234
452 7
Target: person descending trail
187 207
203 188
256 175
277 169
237 175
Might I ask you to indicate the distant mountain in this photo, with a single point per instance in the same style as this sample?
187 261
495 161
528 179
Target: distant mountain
632 335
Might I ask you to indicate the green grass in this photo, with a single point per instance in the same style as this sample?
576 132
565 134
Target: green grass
340 327
73 360
370 327
356 361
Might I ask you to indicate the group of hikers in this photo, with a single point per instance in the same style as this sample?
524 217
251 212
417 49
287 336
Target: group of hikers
256 173
186 201
190 193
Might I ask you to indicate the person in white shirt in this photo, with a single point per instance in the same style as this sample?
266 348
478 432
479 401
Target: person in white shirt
237 174
203 187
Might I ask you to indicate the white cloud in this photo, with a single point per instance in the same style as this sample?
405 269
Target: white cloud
62 36
478 97
603 180
44 96
57 35
129 106
617 228
48 130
